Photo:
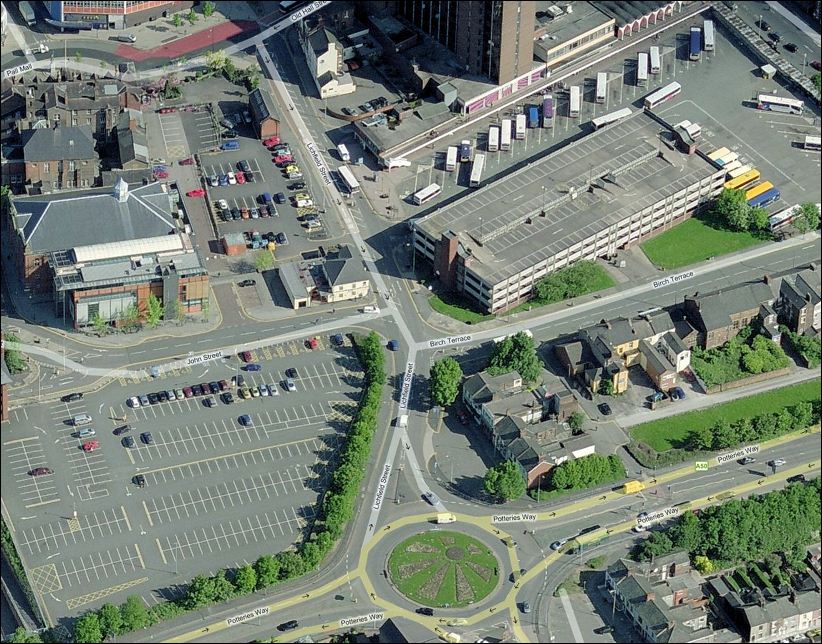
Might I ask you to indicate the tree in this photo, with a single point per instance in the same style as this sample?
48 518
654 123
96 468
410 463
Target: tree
731 210
155 311
200 592
576 421
703 564
223 588
446 375
267 568
263 260
22 636
87 629
111 621
130 316
99 323
208 8
216 60
656 545
758 219
606 387
808 218
14 359
291 565
245 579
505 481
516 353
192 17
177 20
135 615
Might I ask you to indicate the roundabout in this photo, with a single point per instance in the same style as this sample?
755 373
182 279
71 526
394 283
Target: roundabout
443 569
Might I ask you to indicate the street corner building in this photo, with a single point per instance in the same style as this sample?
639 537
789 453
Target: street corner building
99 253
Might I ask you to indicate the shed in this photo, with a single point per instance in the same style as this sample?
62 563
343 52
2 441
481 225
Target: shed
768 71
234 244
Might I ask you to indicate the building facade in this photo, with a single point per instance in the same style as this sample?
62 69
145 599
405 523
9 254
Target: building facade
800 301
111 14
324 55
59 158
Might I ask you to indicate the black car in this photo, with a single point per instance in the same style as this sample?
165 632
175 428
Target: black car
280 198
153 399
243 165
774 36
288 626
147 438
747 460
162 396
237 381
72 397
122 429
230 134
797 478
604 630
247 283
291 372
764 26
425 611
297 185
282 240
250 177
791 47
604 408
215 387
197 389
227 397
128 441
139 480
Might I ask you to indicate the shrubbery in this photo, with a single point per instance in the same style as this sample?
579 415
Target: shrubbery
589 471
582 277
748 353
808 347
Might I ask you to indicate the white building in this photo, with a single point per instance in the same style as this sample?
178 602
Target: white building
324 54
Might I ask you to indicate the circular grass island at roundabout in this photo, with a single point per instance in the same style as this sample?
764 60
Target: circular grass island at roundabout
441 568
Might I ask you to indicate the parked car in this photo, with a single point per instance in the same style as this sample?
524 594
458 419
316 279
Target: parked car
272 140
40 471
128 441
289 385
227 397
139 480
280 197
245 420
213 181
147 438
311 343
349 111
244 393
90 446
605 409
338 339
230 134
247 283
162 396
153 399
144 401
237 381
72 397
816 65
255 392
604 630
223 385
252 367
791 47
246 356
764 26
240 177
297 185
180 394
250 177
264 389
291 372
197 192
222 204
197 390
122 429
187 161
188 392
774 36
232 178
223 179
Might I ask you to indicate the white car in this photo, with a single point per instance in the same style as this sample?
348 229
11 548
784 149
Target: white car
232 178
274 390
134 402
264 389
213 181
289 384
171 395
558 544
432 498
222 204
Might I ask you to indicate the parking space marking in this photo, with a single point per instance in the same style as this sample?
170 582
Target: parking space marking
82 600
45 579
87 569
52 536
23 455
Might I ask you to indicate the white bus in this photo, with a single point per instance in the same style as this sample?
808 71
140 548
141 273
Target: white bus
655 61
573 106
451 158
738 172
708 35
733 165
350 181
493 138
505 135
726 159
421 196
613 117
662 95
476 170
602 87
718 154
642 70
812 143
519 134
779 104
343 152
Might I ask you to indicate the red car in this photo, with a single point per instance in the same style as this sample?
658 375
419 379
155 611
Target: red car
274 140
90 446
40 471
283 158
312 342
161 174
240 176
247 356
197 192
188 161
167 110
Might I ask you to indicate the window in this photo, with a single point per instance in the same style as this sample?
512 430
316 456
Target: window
93 310
46 167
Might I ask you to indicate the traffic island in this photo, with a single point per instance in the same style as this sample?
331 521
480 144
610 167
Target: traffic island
443 569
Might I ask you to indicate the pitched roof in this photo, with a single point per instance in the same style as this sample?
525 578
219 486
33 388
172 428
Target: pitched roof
59 143
262 105
805 284
715 309
64 220
132 145
343 271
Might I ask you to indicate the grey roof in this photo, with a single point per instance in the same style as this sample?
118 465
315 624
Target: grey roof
805 284
780 608
716 308
132 145
262 105
319 40
85 217
674 341
516 403
627 11
290 277
483 387
344 271
660 362
59 143
399 630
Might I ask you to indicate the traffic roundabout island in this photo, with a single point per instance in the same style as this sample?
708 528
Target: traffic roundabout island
443 569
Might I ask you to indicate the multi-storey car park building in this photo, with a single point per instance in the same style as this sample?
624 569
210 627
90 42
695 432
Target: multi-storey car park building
606 191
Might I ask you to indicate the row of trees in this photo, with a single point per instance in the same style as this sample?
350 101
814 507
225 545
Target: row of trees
586 472
583 277
336 510
732 212
15 361
810 348
516 353
783 521
724 434
748 353
218 61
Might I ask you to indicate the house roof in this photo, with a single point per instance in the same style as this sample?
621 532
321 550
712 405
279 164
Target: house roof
343 271
715 309
659 362
262 104
674 342
783 607
803 289
320 39
59 143
81 218
482 387
517 403
132 145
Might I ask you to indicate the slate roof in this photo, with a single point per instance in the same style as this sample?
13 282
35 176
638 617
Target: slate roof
804 284
780 608
482 387
343 271
654 357
132 145
59 143
320 39
65 220
716 308
262 104
674 341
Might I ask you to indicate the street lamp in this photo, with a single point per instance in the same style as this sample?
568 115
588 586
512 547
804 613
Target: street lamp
543 201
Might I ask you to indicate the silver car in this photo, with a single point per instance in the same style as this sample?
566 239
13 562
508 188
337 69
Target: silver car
289 384
432 498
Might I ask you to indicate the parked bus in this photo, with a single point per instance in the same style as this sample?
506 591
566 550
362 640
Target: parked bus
757 190
695 43
613 117
451 158
642 70
779 104
548 111
733 165
718 154
602 87
765 199
493 138
655 60
742 180
726 159
421 196
533 116
708 34
662 95
505 135
350 181
573 106
476 171
738 172
812 143
519 134
787 216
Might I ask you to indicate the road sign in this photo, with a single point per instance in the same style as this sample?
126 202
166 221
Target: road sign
701 466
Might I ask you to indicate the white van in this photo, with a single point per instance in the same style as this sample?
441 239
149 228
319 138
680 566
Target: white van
370 309
81 419
343 152
86 432
304 203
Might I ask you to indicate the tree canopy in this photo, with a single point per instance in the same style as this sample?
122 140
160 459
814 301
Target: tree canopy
504 481
446 375
516 353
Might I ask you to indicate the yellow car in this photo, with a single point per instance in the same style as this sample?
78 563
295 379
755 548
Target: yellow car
302 195
245 394
292 168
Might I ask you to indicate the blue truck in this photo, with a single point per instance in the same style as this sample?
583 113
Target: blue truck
533 116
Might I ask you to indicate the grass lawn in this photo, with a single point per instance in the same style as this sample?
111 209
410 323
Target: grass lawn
666 433
601 280
457 309
439 568
694 241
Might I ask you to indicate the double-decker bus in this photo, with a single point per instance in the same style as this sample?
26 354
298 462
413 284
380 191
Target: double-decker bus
765 199
757 190
656 63
779 104
613 117
602 87
812 143
574 105
427 193
662 95
476 171
742 180
708 34
493 138
695 47
642 70
348 178
548 111
505 135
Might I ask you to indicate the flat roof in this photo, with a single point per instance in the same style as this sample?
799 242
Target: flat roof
567 26
387 139
621 160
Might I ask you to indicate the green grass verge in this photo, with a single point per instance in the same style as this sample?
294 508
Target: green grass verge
457 309
570 585
445 551
666 433
600 280
695 241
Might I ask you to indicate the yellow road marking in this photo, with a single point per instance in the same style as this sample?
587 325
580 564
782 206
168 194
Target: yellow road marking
148 515
125 516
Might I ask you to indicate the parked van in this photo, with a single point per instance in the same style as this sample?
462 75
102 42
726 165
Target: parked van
81 419
127 38
312 225
304 203
370 309
343 152
230 145
295 175
267 200
86 432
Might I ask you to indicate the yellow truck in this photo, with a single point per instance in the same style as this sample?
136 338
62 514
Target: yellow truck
632 487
